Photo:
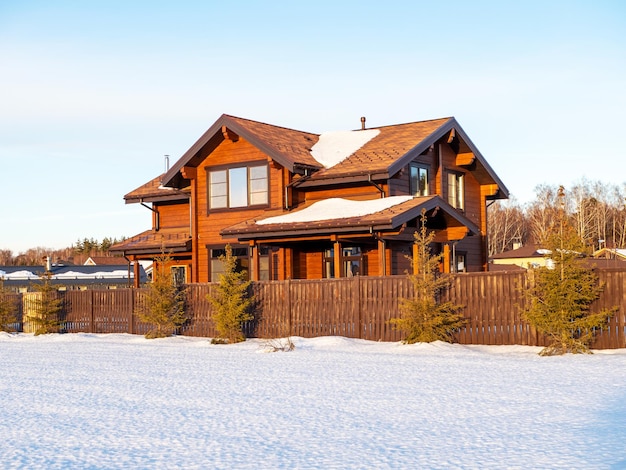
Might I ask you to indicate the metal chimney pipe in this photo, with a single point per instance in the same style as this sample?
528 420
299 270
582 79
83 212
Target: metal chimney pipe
363 123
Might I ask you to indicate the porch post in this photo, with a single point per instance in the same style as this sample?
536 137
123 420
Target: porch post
136 273
255 266
337 256
382 258
446 258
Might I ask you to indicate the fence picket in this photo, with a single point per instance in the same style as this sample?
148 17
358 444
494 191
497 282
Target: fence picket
359 307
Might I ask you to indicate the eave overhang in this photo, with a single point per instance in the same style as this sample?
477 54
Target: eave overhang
152 242
384 221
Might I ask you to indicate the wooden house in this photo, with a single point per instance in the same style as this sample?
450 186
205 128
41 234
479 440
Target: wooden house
299 205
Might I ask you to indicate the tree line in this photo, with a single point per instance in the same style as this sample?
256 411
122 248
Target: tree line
77 253
596 210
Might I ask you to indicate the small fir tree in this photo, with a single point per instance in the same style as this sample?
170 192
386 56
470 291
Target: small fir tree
425 318
163 305
231 300
45 307
8 309
560 296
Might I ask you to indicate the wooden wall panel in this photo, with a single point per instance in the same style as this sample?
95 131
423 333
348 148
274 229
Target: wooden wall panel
211 223
173 215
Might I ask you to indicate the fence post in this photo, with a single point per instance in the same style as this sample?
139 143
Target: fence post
91 319
131 292
289 324
359 285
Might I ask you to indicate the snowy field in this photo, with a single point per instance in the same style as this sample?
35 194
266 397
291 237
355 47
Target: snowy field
121 401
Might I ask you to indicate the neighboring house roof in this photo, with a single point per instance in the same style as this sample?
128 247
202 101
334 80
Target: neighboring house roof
505 267
611 253
175 240
526 251
69 275
105 260
154 191
382 156
385 214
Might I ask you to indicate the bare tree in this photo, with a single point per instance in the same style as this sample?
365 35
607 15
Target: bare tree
542 212
506 224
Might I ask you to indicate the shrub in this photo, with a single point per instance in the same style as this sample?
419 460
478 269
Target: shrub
45 307
163 304
425 317
8 309
560 296
231 301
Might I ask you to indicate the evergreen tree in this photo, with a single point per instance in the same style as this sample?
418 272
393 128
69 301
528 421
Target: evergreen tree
560 296
8 309
163 305
231 300
425 318
45 307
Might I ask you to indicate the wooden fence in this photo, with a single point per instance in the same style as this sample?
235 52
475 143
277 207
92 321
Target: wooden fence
358 307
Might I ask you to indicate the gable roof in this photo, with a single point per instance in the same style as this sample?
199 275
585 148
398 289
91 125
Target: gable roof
388 218
382 156
287 147
397 145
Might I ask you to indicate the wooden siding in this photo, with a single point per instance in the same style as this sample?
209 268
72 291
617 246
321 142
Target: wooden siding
363 191
173 215
210 223
358 307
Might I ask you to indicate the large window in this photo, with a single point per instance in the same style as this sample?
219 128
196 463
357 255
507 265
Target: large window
238 187
456 190
216 265
351 261
419 179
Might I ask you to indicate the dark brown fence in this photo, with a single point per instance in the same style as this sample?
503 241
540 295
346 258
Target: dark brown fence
358 307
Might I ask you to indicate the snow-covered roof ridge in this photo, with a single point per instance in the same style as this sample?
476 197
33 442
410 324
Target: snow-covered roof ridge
334 147
336 208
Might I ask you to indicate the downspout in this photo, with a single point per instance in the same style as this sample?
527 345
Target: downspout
157 223
292 184
376 185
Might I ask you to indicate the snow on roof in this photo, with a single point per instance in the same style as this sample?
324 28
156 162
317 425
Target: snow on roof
23 274
30 275
336 208
333 147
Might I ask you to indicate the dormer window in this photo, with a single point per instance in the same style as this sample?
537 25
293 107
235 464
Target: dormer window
238 187
419 179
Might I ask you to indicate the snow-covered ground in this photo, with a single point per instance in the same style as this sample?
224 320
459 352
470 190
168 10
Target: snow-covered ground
121 401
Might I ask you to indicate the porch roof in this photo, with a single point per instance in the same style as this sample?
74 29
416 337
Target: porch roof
399 211
173 240
154 191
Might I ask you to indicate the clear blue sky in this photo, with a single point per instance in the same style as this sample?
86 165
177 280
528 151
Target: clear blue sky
94 94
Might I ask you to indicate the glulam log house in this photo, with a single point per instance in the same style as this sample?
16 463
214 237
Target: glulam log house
300 205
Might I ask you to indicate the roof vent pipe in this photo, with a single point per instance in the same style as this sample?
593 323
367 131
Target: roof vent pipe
167 163
363 123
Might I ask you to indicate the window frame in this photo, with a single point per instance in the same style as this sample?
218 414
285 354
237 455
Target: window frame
243 253
456 191
229 192
348 258
419 167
